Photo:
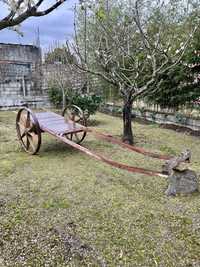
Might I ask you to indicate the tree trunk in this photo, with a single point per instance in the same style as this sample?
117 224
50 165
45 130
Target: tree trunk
127 119
63 99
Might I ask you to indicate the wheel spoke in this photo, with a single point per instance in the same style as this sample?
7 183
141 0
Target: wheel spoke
77 137
28 121
30 130
23 135
27 142
32 134
73 116
34 138
77 118
71 136
31 143
23 119
23 138
22 129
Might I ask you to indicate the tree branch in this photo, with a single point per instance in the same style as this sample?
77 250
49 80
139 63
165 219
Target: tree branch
31 11
100 74
49 10
13 11
39 3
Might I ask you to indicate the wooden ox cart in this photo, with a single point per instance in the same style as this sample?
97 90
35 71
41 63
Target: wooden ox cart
71 128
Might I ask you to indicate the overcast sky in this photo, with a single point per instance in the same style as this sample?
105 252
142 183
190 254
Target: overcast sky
57 26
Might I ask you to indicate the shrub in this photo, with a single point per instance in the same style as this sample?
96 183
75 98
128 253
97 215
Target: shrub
180 118
55 96
175 88
89 103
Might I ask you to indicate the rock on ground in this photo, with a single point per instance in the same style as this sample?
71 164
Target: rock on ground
183 182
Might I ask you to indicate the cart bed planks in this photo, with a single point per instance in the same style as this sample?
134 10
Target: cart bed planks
52 122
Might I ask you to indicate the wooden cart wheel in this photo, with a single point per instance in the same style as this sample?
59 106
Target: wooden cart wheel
28 131
75 114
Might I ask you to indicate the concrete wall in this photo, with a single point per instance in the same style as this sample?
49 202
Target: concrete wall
23 77
20 73
176 119
18 52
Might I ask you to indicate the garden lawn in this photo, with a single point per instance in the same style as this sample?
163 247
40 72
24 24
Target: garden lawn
63 208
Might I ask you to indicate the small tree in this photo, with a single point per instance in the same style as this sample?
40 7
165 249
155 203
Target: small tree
137 43
20 10
61 76
58 54
60 81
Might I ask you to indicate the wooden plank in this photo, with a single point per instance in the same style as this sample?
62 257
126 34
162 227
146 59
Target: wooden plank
61 128
53 122
48 116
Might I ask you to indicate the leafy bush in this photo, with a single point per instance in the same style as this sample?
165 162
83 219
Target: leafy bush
55 96
180 85
89 103
175 88
180 118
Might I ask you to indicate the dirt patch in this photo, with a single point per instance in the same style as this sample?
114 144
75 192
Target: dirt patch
74 247
180 129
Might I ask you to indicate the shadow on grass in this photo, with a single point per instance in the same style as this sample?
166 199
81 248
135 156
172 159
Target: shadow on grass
94 123
57 148
64 149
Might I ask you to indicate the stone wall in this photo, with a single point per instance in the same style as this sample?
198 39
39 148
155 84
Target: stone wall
176 119
20 73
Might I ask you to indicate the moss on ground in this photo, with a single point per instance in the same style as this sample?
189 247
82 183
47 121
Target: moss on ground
62 208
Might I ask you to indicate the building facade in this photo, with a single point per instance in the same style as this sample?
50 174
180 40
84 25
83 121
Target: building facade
20 74
25 79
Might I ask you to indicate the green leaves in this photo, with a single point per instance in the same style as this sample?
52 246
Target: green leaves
89 103
101 14
176 88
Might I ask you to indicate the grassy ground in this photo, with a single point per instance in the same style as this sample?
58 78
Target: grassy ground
62 208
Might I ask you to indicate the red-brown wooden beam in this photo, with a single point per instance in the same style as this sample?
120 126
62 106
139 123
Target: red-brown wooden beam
114 140
104 159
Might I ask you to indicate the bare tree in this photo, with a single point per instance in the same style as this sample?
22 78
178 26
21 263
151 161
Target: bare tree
21 10
60 75
136 46
60 80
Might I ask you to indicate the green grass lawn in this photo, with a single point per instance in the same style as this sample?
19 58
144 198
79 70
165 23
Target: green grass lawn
63 208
